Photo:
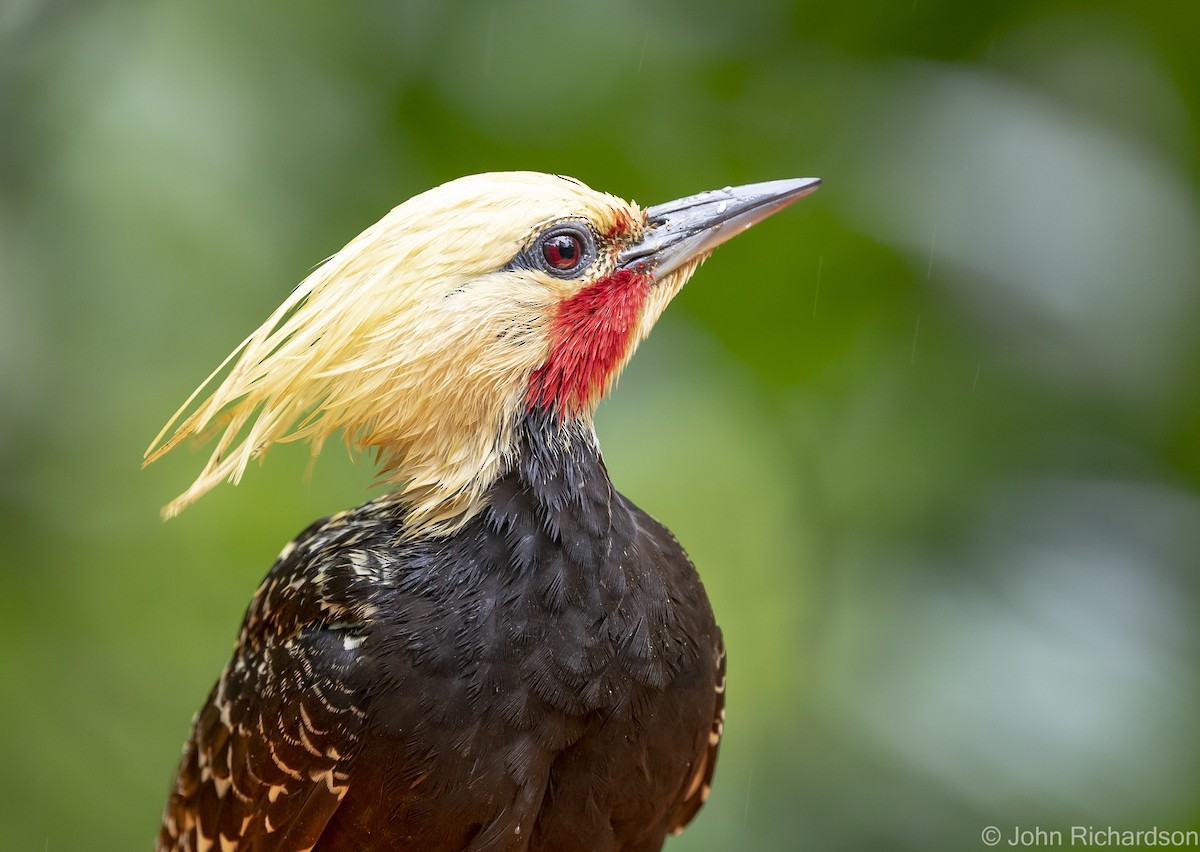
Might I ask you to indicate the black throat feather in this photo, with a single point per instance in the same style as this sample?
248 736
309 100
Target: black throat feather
554 579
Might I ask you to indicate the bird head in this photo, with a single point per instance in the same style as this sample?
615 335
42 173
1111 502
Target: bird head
430 334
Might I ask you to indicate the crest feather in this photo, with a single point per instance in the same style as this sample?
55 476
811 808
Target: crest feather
414 339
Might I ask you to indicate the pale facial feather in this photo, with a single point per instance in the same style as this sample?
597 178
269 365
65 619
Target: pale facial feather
415 341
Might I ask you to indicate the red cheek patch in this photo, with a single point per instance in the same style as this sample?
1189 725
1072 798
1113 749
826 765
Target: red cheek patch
590 333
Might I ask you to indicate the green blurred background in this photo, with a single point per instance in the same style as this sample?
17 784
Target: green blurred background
932 435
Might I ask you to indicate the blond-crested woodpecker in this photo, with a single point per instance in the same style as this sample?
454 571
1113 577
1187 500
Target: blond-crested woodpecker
501 653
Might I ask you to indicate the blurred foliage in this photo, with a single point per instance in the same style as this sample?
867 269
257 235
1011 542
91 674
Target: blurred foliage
932 436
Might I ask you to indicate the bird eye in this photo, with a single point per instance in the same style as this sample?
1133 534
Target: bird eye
563 251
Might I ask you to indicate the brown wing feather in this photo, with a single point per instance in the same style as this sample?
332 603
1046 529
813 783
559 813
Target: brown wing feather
266 764
700 783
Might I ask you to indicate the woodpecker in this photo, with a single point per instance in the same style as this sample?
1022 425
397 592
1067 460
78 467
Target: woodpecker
501 652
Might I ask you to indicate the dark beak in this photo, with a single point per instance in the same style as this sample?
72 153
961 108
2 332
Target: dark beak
682 230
